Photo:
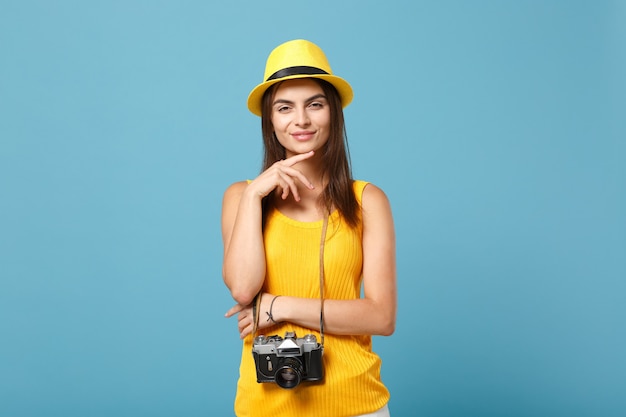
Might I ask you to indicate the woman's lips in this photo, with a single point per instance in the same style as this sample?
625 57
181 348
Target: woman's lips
303 135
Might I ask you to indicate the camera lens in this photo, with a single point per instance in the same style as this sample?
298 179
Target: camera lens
289 374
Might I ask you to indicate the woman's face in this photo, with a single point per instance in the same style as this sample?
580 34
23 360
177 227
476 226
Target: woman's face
300 116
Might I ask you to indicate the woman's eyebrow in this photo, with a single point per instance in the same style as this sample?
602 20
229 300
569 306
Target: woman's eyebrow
315 97
285 101
281 101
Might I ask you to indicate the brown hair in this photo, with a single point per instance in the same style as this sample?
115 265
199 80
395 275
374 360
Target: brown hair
338 193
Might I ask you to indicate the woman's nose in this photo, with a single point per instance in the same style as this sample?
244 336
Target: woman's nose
302 117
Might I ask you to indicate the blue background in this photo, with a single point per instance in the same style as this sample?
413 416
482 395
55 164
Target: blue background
497 129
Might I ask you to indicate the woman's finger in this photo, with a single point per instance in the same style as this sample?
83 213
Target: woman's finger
298 158
234 310
294 173
241 316
245 331
289 186
283 175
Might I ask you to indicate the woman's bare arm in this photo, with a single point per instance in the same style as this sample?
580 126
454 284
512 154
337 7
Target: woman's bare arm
375 313
243 269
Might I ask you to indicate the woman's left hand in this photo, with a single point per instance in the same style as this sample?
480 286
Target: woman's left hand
245 315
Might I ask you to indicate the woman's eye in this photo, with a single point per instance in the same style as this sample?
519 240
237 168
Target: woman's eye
282 109
316 105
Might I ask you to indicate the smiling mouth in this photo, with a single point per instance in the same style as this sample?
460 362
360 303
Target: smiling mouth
302 135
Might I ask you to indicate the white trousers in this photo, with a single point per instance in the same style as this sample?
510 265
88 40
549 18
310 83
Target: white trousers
383 412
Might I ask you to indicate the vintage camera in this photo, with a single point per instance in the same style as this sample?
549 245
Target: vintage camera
289 360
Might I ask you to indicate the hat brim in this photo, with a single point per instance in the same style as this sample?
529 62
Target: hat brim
256 95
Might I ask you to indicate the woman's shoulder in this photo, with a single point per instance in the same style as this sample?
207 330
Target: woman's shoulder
238 185
364 186
235 189
370 193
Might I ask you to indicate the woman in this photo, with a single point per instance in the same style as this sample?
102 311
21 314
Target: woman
302 210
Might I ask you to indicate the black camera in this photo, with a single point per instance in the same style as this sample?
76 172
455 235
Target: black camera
289 360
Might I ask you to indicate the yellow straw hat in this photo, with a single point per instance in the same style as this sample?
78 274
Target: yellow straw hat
297 59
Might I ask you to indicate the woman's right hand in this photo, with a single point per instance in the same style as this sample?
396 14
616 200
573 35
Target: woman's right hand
282 175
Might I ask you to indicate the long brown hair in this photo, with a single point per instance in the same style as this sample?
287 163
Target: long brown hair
338 193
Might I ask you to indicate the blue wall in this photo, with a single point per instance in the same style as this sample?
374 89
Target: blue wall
496 128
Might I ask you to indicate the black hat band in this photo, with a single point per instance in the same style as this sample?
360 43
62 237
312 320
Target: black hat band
299 70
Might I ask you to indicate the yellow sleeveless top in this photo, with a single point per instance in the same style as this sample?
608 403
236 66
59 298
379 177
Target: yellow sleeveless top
351 384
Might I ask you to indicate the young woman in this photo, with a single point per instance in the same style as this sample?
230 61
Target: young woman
305 210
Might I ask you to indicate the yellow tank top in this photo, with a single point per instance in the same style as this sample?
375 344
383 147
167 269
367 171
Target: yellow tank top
351 384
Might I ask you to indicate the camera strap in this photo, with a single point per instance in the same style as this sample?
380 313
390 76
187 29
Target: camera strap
322 242
256 304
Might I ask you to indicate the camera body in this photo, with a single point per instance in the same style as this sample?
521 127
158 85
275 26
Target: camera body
289 360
